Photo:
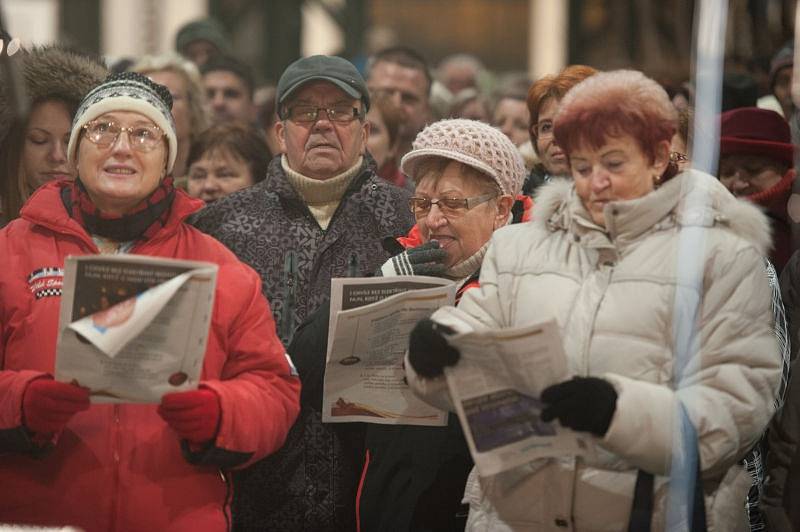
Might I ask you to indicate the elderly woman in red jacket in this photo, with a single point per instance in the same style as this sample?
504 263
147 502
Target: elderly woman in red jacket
66 461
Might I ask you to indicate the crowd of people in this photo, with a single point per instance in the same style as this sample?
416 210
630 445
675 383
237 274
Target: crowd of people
569 198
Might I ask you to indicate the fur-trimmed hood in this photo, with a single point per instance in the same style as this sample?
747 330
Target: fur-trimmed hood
52 72
708 203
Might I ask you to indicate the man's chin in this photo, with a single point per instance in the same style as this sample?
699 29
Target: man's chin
323 169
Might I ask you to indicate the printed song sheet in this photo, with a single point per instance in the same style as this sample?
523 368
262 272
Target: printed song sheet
371 319
133 328
496 387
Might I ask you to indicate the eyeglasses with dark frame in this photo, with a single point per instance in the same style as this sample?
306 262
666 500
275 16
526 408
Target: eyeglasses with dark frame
449 206
105 133
309 114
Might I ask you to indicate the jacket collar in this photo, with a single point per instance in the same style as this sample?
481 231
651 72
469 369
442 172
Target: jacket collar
277 182
692 198
45 208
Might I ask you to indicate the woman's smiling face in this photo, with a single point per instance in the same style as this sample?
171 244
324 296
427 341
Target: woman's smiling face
461 234
118 177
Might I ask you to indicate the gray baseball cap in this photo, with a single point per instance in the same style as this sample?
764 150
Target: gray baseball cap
336 70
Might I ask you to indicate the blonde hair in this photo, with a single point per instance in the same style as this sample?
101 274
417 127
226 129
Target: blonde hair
195 93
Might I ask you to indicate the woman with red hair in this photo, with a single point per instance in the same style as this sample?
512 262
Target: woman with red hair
601 258
543 100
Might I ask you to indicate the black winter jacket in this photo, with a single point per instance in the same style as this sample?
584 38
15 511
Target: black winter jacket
308 484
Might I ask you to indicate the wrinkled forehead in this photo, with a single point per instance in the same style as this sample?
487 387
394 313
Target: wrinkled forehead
441 174
385 75
125 118
753 160
319 92
224 78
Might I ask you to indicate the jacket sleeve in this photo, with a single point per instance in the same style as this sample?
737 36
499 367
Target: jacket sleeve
479 309
729 387
13 435
308 349
258 389
790 286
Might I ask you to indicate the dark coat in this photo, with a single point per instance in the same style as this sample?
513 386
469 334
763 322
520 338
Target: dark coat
781 495
269 227
310 483
536 178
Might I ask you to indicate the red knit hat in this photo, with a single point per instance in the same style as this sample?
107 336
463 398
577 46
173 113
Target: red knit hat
754 131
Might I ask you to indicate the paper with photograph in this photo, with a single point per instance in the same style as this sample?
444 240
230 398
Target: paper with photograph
371 319
132 328
495 388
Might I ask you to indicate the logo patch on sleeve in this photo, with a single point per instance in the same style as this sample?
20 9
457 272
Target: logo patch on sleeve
46 282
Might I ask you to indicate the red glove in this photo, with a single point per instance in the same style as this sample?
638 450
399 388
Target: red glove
194 415
48 405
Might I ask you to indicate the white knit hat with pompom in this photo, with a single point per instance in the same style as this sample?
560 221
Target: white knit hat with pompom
473 143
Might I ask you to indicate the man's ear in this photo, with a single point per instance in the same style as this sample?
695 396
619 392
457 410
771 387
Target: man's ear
280 133
365 136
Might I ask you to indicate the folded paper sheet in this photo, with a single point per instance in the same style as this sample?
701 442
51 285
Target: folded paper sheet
133 328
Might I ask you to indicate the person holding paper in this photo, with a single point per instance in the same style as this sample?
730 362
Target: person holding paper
468 178
66 461
604 257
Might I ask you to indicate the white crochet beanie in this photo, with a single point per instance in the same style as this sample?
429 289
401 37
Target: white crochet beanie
473 143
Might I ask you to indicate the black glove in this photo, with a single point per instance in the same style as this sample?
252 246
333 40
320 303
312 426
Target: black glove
428 351
427 259
584 403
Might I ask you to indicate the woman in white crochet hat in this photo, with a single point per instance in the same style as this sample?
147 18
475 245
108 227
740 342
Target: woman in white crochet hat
468 179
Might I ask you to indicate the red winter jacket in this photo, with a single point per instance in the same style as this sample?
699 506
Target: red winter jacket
120 467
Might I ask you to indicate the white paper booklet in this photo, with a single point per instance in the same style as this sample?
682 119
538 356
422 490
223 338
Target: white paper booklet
133 328
371 319
496 387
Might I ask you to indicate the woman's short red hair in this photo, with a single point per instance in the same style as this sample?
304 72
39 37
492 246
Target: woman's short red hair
614 104
554 87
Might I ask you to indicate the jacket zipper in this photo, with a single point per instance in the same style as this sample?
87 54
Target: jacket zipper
226 505
290 281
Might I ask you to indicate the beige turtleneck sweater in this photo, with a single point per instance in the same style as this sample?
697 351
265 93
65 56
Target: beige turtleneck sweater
322 196
464 269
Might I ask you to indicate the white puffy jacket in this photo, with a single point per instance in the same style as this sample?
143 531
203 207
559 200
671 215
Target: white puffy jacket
612 293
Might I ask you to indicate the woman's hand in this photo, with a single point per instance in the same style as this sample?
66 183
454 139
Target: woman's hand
194 415
48 405
586 404
427 259
428 350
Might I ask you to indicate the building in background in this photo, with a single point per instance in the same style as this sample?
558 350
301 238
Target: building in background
524 36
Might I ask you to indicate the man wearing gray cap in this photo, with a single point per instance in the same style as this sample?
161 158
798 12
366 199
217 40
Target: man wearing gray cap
321 212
